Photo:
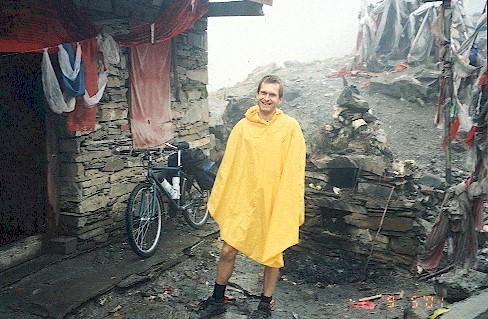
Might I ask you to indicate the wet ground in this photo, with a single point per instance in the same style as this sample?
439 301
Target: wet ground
314 283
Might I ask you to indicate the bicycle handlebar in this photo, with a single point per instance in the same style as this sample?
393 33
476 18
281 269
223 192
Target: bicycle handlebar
158 150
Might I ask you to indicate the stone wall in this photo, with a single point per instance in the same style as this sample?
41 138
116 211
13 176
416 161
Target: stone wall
95 182
359 199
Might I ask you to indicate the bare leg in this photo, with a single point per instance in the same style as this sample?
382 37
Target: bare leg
225 267
271 276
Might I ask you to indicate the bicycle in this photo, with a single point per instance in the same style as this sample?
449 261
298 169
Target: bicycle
156 197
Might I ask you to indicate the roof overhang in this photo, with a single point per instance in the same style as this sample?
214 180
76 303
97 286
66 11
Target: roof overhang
237 8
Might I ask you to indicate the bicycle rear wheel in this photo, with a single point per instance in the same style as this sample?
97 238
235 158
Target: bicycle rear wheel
145 209
196 214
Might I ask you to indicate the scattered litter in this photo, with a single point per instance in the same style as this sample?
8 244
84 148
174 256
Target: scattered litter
394 295
319 285
102 301
364 305
285 279
371 297
228 298
364 85
116 309
313 186
439 312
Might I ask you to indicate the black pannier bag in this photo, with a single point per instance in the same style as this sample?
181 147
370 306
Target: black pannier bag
196 163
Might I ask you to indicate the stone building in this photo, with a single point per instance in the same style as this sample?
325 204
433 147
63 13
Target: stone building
66 187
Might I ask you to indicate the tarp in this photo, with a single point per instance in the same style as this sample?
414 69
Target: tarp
405 30
150 100
31 25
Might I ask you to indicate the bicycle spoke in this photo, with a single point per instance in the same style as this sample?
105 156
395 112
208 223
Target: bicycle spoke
144 218
196 214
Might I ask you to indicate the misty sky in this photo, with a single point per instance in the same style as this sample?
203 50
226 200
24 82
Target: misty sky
302 30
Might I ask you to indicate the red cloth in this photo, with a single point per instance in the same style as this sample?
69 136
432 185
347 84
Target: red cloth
31 25
483 80
176 19
454 130
470 138
150 102
82 118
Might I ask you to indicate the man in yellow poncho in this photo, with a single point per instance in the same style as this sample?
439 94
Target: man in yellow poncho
258 196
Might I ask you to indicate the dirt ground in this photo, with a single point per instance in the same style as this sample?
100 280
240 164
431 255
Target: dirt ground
314 283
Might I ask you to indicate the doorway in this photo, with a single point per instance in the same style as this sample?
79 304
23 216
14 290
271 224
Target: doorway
23 165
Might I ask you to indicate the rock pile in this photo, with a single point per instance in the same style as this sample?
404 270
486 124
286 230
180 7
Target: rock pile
358 198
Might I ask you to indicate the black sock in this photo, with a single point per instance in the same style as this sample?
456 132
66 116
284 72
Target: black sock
266 299
219 291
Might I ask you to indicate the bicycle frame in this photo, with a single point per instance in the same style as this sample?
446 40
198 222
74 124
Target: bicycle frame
185 179
146 207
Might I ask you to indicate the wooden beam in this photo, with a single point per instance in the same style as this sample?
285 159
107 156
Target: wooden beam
266 2
235 9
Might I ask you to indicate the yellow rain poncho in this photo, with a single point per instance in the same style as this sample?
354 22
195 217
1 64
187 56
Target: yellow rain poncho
258 196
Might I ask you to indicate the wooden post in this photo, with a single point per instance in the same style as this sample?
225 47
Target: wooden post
447 73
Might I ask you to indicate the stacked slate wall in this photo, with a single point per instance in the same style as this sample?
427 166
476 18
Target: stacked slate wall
359 199
95 182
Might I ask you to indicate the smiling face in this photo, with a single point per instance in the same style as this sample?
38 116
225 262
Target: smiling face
269 98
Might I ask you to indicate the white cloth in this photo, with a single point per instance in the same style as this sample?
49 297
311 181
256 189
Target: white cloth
102 83
109 47
65 65
52 90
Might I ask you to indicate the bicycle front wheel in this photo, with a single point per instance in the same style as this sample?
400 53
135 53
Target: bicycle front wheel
145 209
196 214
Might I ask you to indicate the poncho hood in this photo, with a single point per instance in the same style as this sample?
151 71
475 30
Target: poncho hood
252 114
258 196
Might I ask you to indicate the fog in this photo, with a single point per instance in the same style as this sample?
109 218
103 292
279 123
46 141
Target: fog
301 30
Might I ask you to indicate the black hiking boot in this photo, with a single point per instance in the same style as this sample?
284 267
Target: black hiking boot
209 308
263 312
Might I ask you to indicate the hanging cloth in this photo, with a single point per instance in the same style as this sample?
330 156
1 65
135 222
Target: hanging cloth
65 64
75 87
83 119
176 19
91 101
31 25
52 90
109 48
150 101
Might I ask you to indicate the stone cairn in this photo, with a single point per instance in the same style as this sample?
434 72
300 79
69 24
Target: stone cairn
357 197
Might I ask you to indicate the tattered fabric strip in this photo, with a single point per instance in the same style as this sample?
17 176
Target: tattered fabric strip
109 48
64 62
52 90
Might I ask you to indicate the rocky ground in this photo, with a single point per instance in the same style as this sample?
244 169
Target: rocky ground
315 283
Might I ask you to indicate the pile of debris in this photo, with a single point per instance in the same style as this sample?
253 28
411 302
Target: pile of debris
354 130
